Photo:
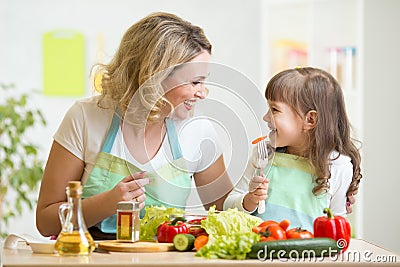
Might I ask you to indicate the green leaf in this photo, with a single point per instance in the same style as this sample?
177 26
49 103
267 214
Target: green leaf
20 166
30 149
230 234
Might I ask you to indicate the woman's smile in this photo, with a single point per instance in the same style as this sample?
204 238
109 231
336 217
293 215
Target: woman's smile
189 103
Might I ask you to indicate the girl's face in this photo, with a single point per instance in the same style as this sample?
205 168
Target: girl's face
287 127
186 84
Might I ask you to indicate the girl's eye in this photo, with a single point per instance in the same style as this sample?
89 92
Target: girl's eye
196 82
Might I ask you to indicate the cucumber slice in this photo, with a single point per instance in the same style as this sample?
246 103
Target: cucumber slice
184 242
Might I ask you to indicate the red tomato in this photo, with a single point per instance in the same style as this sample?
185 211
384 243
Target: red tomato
194 227
268 223
298 233
272 232
284 224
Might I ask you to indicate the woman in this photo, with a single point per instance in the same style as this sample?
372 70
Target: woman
147 95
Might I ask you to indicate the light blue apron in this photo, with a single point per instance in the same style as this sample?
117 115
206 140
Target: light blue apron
290 196
170 185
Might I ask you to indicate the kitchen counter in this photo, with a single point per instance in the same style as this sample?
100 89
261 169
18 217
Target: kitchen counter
359 252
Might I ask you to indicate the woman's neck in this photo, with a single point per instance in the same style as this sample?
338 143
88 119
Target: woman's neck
144 143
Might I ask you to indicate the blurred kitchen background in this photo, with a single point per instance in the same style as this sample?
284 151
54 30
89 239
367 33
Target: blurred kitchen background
358 41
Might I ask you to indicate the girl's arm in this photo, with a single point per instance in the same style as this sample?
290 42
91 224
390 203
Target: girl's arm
213 184
240 197
341 176
62 166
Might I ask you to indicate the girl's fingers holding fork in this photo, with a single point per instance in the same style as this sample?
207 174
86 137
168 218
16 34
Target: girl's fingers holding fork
256 182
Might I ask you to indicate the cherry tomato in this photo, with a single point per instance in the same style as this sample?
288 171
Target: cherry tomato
284 224
298 233
194 227
268 223
273 232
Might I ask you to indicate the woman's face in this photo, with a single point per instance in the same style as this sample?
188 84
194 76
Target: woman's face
287 127
185 85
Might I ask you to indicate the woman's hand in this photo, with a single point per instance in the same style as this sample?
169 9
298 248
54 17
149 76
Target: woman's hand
131 188
350 201
258 191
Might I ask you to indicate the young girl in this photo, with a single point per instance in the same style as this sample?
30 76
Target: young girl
316 164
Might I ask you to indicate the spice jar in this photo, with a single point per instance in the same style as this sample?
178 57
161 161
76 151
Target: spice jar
128 221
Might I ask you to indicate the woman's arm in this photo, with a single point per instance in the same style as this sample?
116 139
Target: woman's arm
62 166
213 184
351 199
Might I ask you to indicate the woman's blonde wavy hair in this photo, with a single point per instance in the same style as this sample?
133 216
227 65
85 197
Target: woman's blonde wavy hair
147 54
306 89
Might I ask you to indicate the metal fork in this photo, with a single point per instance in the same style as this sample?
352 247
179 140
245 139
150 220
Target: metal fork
260 164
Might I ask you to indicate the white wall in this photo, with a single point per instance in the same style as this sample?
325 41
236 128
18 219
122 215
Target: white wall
381 122
238 31
233 27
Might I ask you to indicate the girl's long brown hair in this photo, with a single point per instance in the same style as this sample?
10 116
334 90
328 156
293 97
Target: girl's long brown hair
306 89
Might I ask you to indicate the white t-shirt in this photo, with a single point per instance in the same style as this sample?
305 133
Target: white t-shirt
85 125
341 177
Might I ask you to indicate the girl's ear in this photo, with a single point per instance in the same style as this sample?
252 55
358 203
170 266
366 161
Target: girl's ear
310 120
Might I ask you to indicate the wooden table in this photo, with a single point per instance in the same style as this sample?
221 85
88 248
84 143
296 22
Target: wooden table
359 252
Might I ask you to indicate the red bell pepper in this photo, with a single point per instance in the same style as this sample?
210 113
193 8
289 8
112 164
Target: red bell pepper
167 230
335 227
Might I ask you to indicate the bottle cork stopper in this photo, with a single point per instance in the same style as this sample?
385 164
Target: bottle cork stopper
74 185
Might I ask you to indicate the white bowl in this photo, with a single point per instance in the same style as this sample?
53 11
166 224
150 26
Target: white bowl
43 247
38 245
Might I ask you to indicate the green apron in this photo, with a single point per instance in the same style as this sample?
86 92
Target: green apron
170 185
290 192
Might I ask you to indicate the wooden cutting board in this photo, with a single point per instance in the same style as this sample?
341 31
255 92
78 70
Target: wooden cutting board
140 246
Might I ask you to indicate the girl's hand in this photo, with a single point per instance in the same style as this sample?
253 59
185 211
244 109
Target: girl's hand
258 191
256 182
131 188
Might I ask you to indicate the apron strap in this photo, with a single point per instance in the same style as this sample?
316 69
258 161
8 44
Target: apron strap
171 132
173 139
112 132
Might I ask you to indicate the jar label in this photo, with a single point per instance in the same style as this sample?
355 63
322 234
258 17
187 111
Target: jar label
124 226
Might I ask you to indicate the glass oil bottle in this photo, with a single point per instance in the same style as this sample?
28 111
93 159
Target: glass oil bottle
74 238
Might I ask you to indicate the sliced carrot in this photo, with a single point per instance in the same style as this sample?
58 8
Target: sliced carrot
284 224
255 141
200 241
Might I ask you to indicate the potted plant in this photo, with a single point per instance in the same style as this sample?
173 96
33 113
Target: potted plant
20 166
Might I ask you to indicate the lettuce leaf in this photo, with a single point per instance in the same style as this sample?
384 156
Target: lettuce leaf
230 235
229 222
155 216
234 246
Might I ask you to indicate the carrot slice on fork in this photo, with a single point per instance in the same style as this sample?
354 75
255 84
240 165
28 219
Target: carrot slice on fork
255 141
